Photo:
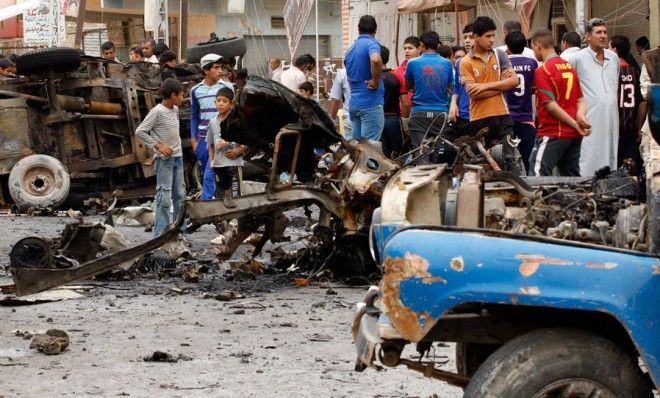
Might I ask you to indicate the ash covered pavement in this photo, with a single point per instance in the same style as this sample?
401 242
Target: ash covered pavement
157 330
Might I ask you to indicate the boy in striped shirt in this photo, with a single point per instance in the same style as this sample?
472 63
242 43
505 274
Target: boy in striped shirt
159 131
562 119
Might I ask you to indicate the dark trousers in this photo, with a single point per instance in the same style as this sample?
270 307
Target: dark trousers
224 177
564 153
392 138
527 135
629 149
500 131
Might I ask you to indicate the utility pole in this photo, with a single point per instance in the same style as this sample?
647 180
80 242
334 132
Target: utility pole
80 21
183 28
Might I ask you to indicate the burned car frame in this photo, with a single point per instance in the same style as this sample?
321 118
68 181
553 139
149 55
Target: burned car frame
68 126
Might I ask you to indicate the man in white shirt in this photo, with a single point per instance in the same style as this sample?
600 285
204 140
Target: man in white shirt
275 65
598 70
341 93
514 26
148 44
295 75
570 44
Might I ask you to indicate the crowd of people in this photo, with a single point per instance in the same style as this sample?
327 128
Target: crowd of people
568 111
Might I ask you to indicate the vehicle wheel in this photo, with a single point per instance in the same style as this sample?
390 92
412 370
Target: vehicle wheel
38 181
59 59
228 48
469 356
558 362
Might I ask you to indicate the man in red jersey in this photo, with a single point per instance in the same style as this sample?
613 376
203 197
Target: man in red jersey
630 98
562 120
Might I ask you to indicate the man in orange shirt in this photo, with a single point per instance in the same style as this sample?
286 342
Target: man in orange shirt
486 74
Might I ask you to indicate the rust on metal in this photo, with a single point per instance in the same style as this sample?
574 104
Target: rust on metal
656 270
457 264
531 263
412 325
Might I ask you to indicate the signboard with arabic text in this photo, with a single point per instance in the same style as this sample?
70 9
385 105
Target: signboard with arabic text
45 25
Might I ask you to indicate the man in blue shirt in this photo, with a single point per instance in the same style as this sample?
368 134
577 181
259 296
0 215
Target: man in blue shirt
430 77
363 68
202 110
459 110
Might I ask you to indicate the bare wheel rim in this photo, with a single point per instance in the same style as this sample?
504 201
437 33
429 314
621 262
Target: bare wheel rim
575 388
39 181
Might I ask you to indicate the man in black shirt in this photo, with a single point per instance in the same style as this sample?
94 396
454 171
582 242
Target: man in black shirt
395 94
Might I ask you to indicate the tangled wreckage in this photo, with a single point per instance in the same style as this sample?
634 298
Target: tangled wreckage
289 130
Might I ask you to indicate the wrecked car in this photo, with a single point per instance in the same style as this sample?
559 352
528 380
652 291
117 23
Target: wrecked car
68 128
548 286
288 132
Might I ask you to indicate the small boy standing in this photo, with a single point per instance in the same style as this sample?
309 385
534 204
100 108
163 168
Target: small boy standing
159 131
225 156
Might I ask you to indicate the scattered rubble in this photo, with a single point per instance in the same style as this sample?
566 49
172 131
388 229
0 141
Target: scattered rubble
53 342
160 356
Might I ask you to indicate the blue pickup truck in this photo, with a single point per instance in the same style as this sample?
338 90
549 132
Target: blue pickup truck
549 287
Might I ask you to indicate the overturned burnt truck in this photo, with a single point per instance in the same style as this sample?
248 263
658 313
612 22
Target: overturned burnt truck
68 128
289 132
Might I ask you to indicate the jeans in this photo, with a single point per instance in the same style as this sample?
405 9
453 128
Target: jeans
527 135
392 138
367 123
208 177
425 124
348 130
170 191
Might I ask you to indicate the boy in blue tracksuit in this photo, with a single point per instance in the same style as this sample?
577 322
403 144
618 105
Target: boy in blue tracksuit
202 98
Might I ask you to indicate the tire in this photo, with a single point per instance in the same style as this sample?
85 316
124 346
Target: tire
59 59
228 48
469 356
549 362
38 181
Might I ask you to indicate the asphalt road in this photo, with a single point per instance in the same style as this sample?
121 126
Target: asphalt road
276 339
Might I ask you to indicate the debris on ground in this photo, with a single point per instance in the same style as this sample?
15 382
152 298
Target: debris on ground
53 342
160 356
136 216
48 296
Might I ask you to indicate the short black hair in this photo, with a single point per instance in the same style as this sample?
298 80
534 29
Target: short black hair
515 41
483 24
469 28
225 92
594 22
138 50
622 45
160 48
430 40
414 40
512 26
455 49
444 50
306 86
367 25
167 56
108 45
310 59
170 86
643 42
301 60
572 39
384 54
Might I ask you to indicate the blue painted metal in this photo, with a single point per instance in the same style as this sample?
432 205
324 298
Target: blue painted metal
623 284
